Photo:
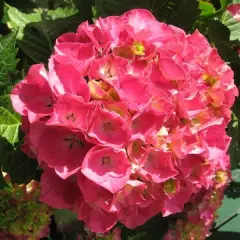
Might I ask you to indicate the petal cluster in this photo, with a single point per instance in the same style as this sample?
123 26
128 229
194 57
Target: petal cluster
128 121
201 212
22 216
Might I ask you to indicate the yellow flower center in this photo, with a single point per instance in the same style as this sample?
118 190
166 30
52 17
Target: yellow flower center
209 79
138 49
221 177
170 186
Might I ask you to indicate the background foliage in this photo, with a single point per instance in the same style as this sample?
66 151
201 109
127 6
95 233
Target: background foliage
28 30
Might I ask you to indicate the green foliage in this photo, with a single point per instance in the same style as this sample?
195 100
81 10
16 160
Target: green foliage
233 25
8 59
219 34
38 30
9 122
207 8
21 213
234 132
21 168
174 12
9 126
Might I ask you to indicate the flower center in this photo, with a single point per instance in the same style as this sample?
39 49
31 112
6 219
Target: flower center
209 79
138 49
221 177
71 117
170 186
106 160
108 127
74 141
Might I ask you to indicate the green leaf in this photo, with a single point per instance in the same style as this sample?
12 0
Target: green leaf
232 24
224 3
177 12
171 11
8 59
207 8
9 120
9 126
18 20
39 30
27 6
234 132
219 35
153 229
21 168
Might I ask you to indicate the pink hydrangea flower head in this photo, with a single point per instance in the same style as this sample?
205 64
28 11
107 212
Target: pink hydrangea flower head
129 121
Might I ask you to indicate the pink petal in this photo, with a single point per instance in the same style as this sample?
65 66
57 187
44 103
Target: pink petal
108 129
56 192
107 167
134 91
71 111
96 219
159 166
66 79
171 70
63 150
33 94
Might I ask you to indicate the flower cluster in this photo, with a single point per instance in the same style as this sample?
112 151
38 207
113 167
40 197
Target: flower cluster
128 121
22 216
234 10
201 212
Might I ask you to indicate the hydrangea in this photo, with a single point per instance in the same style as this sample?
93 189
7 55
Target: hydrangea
128 121
22 216
201 212
234 10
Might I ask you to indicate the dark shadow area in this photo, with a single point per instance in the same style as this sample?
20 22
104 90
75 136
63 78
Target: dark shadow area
27 6
39 37
76 227
21 168
154 229
225 235
233 191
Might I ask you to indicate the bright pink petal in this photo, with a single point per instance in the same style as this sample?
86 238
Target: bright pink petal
159 166
134 216
134 91
189 162
33 94
71 111
63 150
108 128
94 193
172 70
77 54
107 167
66 79
96 219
